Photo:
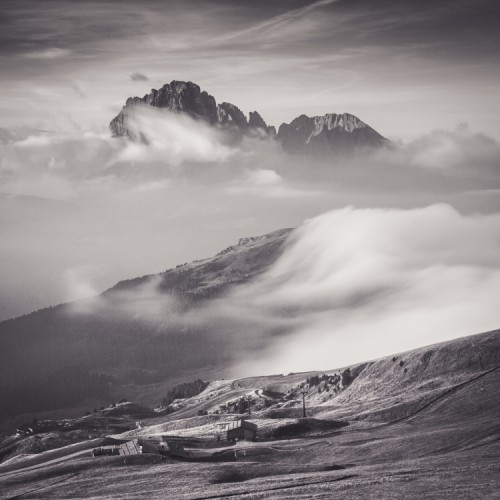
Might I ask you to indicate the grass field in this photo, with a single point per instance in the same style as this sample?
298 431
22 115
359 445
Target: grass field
430 432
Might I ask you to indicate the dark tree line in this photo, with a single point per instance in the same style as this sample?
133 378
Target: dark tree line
185 390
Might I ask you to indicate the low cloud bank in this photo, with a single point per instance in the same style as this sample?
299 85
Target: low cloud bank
172 139
351 285
131 209
355 284
61 166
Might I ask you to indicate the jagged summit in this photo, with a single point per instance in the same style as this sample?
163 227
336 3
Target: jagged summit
187 97
331 120
255 121
228 113
328 134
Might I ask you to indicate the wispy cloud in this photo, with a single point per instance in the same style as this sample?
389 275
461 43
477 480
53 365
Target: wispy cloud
271 28
51 53
327 54
138 77
266 183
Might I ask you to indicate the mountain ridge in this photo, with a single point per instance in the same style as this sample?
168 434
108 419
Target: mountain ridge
327 134
115 339
187 97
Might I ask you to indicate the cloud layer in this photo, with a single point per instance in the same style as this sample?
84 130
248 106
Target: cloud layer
351 285
358 284
83 206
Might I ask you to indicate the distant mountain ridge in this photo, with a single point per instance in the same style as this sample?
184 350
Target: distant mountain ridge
208 278
115 341
188 98
328 134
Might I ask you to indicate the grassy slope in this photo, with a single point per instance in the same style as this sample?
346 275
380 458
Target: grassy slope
89 344
443 443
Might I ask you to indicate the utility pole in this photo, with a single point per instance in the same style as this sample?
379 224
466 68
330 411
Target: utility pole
304 392
249 407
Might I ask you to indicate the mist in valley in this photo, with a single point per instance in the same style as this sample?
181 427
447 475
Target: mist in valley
393 249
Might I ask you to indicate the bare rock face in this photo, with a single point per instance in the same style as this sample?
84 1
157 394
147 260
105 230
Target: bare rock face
255 121
229 114
331 133
179 97
232 119
188 98
184 97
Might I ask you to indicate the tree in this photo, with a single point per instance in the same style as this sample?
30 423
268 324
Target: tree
346 377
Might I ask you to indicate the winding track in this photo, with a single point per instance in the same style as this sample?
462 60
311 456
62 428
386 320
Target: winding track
192 411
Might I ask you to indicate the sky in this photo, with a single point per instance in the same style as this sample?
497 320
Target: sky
80 210
402 67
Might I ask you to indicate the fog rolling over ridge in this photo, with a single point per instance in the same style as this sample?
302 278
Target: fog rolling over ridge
82 210
355 284
346 286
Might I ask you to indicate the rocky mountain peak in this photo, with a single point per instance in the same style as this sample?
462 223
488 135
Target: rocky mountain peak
256 121
327 134
331 133
187 97
346 121
228 113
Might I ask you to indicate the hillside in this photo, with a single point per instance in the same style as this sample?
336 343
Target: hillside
422 423
134 333
208 278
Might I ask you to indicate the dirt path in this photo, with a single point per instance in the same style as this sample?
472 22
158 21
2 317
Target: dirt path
192 411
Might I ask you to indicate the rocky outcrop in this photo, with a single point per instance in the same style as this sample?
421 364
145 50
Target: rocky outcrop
176 96
318 135
331 133
256 122
229 114
188 98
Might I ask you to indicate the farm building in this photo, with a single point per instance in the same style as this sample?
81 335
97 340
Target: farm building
148 446
133 447
241 430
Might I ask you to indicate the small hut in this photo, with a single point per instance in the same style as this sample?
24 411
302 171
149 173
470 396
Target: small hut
241 430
